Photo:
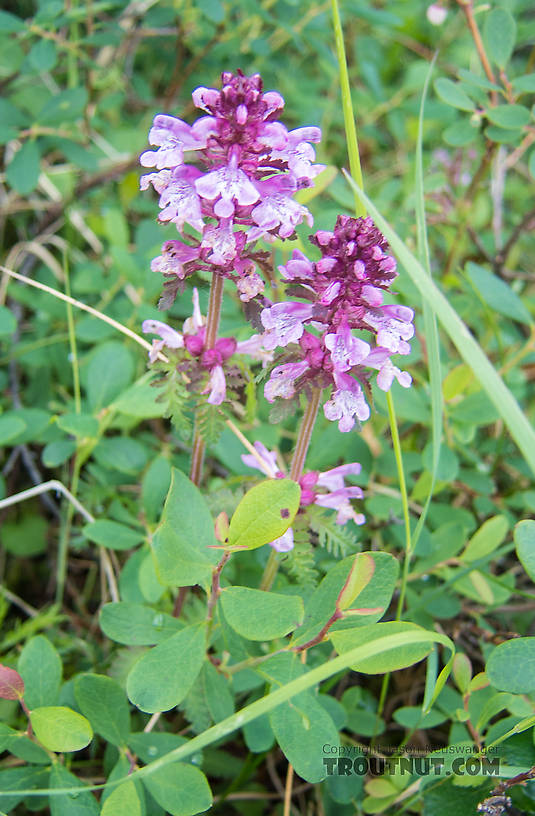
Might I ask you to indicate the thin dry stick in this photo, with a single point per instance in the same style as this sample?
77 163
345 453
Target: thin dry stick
85 308
468 8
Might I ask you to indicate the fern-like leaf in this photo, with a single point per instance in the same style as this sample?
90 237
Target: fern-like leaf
337 539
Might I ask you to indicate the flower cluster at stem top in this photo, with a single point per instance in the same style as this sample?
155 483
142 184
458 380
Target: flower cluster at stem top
248 167
343 291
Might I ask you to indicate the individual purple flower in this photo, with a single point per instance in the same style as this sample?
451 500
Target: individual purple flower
282 380
346 403
247 169
284 323
169 337
285 542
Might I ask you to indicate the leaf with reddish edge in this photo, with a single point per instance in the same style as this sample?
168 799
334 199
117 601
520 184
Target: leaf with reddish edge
359 577
11 684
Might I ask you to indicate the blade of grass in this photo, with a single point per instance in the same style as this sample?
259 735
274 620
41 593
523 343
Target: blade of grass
430 321
460 335
271 701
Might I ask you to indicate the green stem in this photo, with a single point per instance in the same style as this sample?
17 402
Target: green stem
63 547
212 325
347 107
298 463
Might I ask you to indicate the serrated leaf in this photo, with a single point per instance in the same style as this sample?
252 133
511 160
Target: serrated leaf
264 514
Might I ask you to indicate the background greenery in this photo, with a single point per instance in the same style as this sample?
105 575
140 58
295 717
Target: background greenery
81 83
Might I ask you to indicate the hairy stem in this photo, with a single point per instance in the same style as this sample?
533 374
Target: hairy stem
212 325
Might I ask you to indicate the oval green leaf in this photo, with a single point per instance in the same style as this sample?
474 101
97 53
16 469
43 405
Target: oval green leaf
123 801
103 701
136 625
163 676
452 93
258 615
503 666
112 534
525 545
181 789
511 117
61 729
389 660
499 35
264 514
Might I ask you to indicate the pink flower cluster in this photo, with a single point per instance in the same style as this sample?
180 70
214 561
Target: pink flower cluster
192 341
248 167
327 489
345 291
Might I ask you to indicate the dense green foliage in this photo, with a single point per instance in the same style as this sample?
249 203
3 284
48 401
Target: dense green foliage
123 666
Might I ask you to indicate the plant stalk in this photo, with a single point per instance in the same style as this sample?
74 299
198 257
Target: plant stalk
298 463
212 325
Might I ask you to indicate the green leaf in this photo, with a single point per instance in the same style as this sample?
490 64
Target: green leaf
478 80
112 534
524 84
102 700
151 745
359 577
8 324
136 625
487 539
531 163
155 486
264 514
460 133
140 401
21 746
453 94
499 35
511 117
23 170
182 542
10 427
163 676
43 55
82 803
80 425
258 615
525 545
511 666
40 667
121 453
58 452
10 23
216 692
60 728
497 294
181 789
109 373
378 593
65 106
389 660
123 801
27 537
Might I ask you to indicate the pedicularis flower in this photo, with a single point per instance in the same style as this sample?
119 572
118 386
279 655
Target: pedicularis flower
345 291
327 489
192 356
247 168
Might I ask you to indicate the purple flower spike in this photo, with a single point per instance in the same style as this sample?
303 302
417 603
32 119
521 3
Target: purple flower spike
247 170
